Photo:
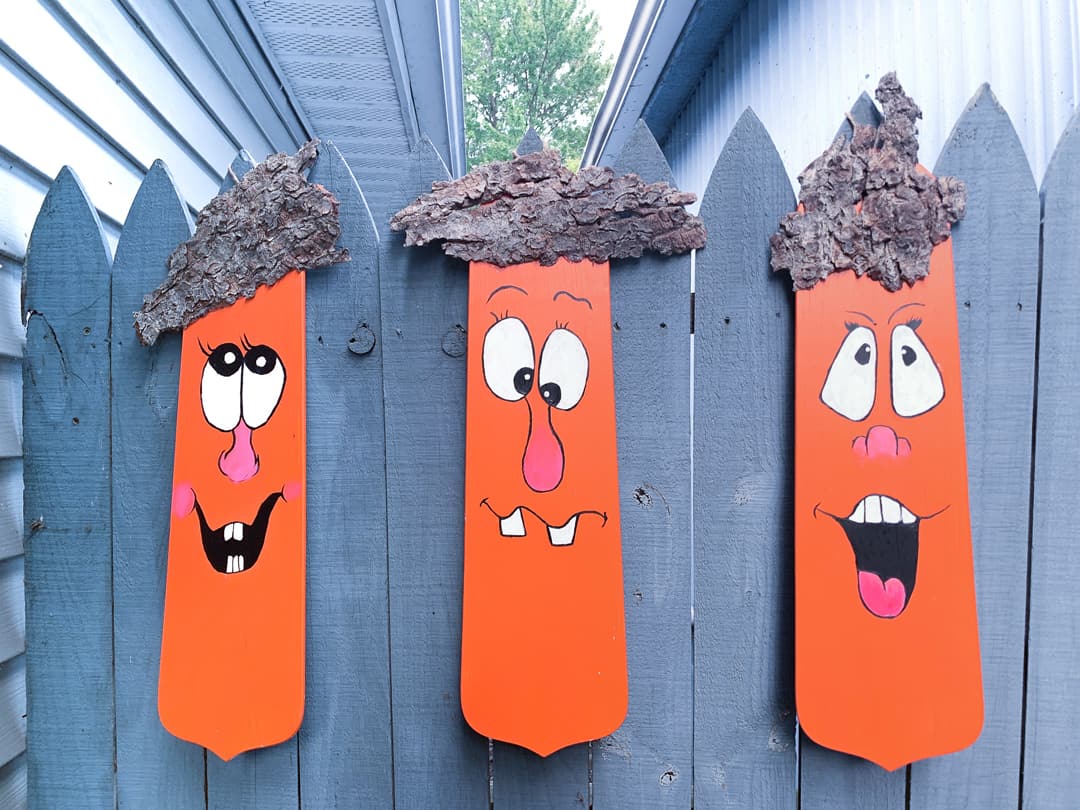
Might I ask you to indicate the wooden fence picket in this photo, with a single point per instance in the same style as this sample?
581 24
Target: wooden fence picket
1053 676
149 761
68 505
996 250
744 718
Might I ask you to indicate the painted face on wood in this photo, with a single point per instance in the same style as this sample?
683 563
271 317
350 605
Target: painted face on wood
232 674
887 652
543 641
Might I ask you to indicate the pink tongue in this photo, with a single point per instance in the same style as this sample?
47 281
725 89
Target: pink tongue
884 599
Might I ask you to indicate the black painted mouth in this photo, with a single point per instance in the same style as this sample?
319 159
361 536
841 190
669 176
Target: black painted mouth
235 555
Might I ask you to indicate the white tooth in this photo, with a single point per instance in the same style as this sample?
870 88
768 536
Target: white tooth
563 535
890 510
239 563
873 508
906 516
513 525
238 531
228 532
229 564
858 514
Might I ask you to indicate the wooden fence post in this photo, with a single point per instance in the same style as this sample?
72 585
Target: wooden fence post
647 762
68 505
744 719
437 758
150 763
345 741
996 250
1053 678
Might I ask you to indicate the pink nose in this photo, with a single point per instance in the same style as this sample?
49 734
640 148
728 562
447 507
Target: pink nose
239 462
881 442
543 461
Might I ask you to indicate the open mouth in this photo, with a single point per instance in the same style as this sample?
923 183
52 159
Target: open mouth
884 534
513 524
236 546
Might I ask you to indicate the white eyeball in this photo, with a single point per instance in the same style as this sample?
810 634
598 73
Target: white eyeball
851 383
263 383
916 381
220 387
508 359
564 369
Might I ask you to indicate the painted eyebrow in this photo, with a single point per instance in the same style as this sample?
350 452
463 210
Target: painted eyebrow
581 300
862 315
905 306
498 290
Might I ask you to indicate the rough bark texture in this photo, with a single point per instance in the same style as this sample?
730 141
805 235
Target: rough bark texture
534 208
272 221
864 206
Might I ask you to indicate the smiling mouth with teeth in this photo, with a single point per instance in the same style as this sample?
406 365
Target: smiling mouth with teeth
513 524
236 546
884 534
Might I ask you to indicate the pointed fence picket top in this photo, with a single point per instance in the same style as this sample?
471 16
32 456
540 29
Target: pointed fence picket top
150 762
1053 677
67 504
996 252
830 780
647 761
240 166
744 723
437 757
345 741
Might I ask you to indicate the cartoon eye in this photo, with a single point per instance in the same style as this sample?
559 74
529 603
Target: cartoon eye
564 369
264 379
220 388
850 383
508 359
916 381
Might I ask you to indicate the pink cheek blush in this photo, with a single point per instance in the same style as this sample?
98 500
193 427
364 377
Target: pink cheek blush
183 500
292 490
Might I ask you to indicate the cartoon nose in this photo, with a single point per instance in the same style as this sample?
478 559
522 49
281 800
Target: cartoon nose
881 441
239 462
543 461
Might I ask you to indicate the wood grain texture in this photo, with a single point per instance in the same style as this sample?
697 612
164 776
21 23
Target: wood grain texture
1051 779
996 251
13 784
345 741
12 609
647 762
11 503
68 504
828 779
437 758
744 721
150 762
12 708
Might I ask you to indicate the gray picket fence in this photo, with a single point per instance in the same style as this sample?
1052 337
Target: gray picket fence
706 500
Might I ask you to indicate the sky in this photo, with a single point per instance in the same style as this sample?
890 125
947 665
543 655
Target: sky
614 18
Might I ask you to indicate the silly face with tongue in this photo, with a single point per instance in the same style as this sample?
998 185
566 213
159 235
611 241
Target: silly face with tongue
543 642
887 657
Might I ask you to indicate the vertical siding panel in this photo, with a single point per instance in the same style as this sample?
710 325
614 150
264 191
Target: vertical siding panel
150 762
648 762
744 722
1051 779
436 756
996 249
345 741
68 505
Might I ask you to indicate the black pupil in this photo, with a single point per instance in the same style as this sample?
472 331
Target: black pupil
551 393
261 359
862 356
908 355
523 381
226 359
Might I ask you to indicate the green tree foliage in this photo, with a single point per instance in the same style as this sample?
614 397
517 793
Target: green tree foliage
529 63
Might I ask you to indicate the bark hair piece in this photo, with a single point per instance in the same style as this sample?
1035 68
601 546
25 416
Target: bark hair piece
272 221
532 208
865 206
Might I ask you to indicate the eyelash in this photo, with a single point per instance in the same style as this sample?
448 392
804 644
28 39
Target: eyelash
498 317
914 323
563 325
207 350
